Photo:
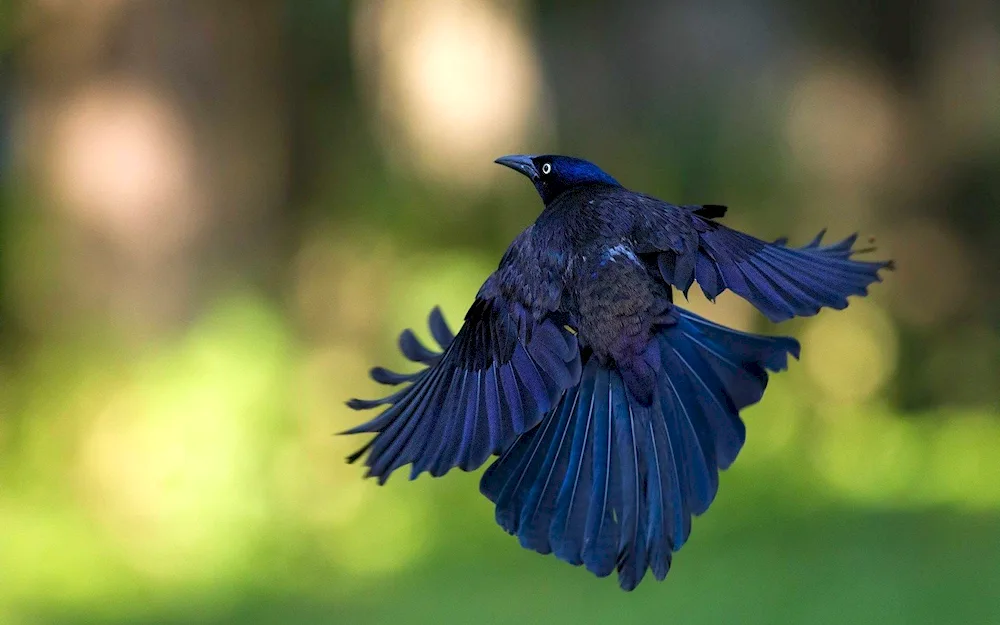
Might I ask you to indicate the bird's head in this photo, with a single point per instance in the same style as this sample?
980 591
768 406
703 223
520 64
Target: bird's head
552 174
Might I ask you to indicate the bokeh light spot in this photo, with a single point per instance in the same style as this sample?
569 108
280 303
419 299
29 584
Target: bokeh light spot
172 465
122 164
850 354
841 123
933 273
869 456
457 83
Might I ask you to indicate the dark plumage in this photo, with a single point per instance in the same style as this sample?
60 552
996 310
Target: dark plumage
611 408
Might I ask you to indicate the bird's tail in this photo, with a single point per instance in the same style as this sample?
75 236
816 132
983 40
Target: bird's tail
608 482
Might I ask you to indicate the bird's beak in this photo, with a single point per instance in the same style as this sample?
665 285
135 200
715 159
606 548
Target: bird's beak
521 163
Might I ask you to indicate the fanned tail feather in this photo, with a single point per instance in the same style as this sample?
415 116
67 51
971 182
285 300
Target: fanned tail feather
608 483
491 382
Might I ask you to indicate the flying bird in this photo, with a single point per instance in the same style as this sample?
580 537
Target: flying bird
611 408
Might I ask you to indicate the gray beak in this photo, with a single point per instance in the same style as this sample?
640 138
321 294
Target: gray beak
521 163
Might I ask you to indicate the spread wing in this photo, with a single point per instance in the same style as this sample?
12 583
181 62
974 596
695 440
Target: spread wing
782 281
507 367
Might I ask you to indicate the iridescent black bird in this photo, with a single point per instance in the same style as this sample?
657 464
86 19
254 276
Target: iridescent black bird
612 409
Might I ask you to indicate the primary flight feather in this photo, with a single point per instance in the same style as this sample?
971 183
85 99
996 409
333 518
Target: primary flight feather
611 408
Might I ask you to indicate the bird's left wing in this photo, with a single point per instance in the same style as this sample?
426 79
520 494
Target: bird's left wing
781 281
491 382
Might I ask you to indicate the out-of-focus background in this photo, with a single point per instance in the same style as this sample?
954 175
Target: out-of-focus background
215 215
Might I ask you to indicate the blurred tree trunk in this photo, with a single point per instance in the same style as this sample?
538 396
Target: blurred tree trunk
157 130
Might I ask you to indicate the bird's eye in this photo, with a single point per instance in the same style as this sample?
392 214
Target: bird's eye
547 168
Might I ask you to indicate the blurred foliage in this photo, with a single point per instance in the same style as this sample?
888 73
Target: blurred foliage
214 217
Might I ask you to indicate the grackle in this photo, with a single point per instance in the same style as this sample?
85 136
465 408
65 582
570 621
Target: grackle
611 408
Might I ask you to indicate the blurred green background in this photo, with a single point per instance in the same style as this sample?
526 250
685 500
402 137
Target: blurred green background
215 215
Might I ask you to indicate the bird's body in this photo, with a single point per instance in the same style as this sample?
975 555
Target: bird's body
575 251
611 408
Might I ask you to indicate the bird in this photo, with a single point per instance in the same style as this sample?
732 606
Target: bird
608 409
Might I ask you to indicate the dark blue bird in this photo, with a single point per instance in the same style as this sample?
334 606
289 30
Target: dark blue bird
612 409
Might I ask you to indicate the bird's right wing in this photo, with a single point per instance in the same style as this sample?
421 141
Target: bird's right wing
781 281
490 383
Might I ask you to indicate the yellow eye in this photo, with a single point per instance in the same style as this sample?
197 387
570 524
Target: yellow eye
547 168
